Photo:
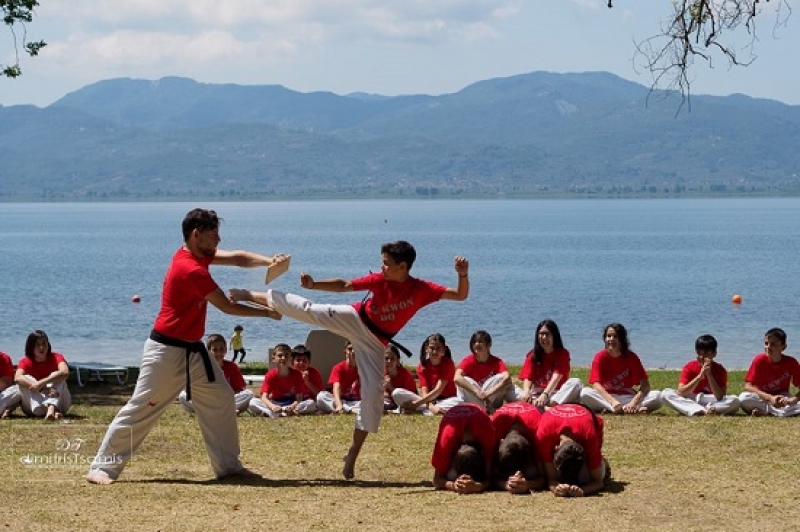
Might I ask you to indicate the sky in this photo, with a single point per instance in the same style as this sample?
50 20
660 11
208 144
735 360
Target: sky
388 47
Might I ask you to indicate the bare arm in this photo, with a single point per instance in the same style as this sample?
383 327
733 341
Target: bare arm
336 390
328 285
633 405
461 292
244 259
616 405
230 306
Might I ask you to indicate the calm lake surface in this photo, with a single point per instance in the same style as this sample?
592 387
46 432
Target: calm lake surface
667 269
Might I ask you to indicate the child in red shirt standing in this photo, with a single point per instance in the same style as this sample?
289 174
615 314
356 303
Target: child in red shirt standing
767 383
370 324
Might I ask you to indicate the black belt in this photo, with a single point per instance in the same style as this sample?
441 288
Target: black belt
191 347
374 329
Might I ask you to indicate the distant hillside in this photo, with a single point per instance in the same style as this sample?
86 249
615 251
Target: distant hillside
539 134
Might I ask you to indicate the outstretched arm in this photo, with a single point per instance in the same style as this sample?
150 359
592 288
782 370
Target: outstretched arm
328 285
244 259
461 292
232 307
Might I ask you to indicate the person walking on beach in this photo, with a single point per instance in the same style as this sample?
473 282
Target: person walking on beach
175 357
369 324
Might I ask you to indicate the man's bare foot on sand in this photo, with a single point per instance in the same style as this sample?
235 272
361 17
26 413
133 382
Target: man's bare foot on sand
349 469
99 478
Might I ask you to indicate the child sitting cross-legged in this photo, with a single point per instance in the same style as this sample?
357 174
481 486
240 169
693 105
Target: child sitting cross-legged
280 391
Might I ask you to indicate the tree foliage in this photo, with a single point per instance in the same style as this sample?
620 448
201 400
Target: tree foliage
16 14
706 30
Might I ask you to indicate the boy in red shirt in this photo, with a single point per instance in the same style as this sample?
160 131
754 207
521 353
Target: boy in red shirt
312 380
767 383
370 324
702 384
462 454
281 389
345 394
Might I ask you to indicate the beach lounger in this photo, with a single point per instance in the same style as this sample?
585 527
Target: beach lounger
98 371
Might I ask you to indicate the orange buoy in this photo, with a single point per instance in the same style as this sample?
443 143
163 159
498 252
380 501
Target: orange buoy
736 299
136 298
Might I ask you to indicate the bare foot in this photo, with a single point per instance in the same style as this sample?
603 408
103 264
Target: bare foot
349 469
51 413
642 410
99 478
58 415
756 413
6 414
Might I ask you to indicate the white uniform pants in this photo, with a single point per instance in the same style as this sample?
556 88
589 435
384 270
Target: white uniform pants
344 321
36 403
570 392
9 398
326 404
495 400
402 396
592 399
241 400
750 401
161 377
699 403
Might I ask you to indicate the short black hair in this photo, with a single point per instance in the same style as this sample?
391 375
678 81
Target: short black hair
705 342
568 461
777 332
400 251
300 351
512 454
469 461
201 219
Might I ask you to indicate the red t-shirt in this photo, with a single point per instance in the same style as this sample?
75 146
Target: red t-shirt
430 375
692 369
540 374
187 283
40 370
480 371
316 379
773 378
393 304
6 366
404 379
618 375
347 378
282 387
526 414
451 431
233 375
584 429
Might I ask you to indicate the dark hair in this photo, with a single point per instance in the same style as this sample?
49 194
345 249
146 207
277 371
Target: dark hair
469 461
30 343
238 328
301 350
200 219
282 347
568 461
423 351
396 352
481 335
538 350
512 454
778 333
400 251
705 342
622 336
214 339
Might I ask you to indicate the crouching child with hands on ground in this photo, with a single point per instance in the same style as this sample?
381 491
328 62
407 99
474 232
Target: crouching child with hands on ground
516 467
462 454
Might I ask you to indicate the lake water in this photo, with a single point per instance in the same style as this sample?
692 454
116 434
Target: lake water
667 269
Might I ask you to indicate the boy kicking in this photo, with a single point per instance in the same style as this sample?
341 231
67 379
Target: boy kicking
369 324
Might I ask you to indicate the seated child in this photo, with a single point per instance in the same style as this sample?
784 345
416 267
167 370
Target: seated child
545 370
312 380
345 394
702 384
396 378
462 454
517 469
9 392
615 373
42 379
569 440
280 391
767 383
217 348
483 378
436 372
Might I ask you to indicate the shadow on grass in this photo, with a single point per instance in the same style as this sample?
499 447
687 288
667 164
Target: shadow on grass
288 483
614 486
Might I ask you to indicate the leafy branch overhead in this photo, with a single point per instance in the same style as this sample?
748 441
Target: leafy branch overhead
16 14
706 30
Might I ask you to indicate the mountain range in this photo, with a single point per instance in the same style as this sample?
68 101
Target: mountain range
537 134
